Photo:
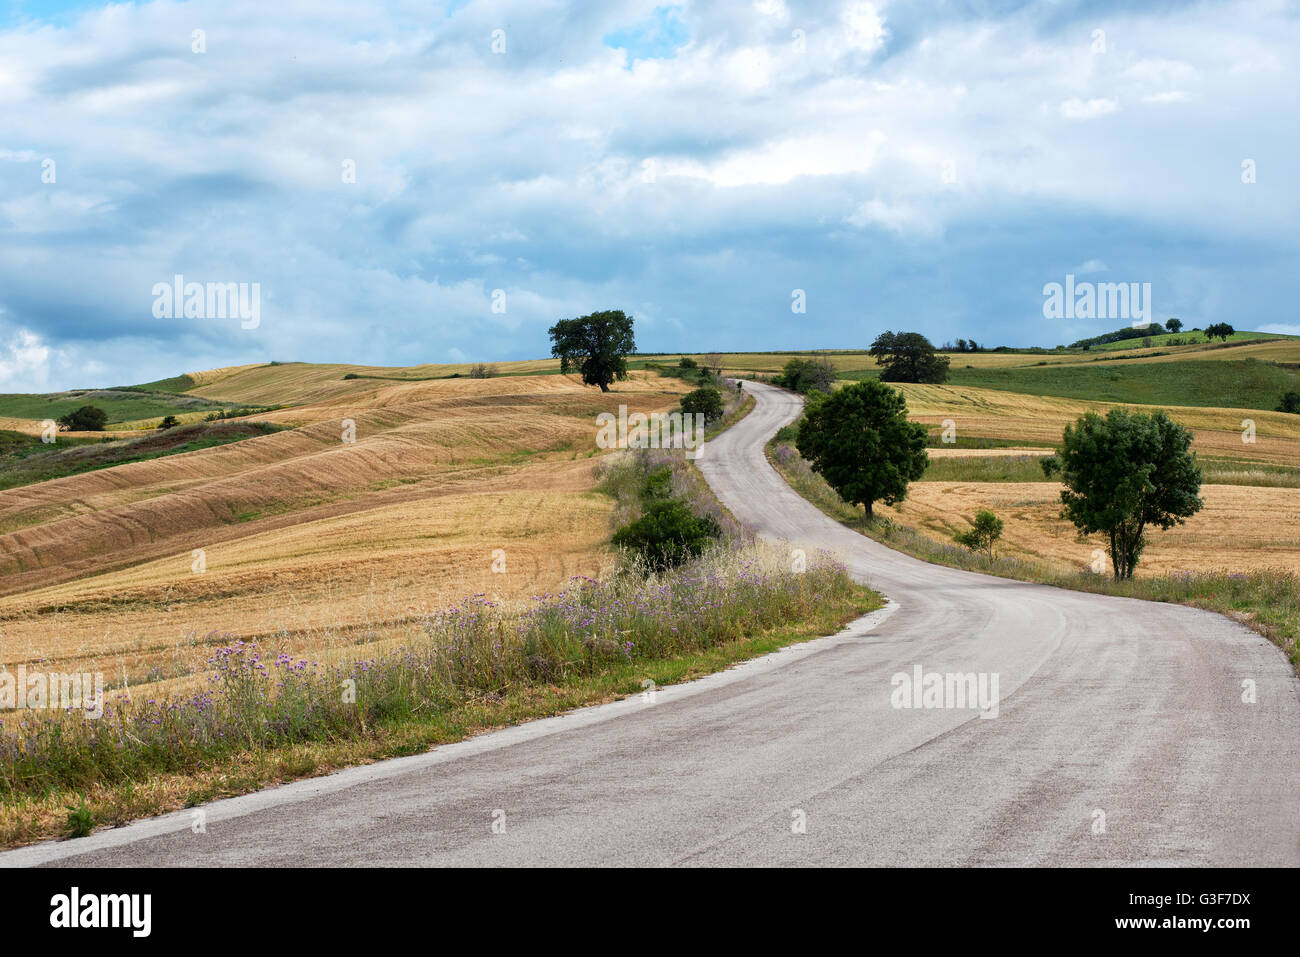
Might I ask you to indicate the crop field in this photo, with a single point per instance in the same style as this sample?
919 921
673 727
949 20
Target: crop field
1240 528
309 537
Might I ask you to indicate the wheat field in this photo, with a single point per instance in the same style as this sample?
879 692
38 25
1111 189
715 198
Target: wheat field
303 540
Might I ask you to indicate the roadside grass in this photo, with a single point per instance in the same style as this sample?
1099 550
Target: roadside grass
25 460
466 669
1267 600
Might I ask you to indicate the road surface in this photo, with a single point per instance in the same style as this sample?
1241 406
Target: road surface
1121 738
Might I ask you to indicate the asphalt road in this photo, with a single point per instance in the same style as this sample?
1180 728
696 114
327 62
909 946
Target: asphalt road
1121 738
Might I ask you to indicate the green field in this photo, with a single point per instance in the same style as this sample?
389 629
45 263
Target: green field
122 405
1237 338
1242 384
25 459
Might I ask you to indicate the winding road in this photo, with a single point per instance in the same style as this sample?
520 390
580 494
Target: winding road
1121 738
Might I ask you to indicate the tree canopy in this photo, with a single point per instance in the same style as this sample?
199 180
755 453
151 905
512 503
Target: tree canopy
88 418
861 442
908 357
1220 330
597 345
1124 473
805 375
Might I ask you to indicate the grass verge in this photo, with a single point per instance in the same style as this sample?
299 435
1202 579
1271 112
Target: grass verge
473 667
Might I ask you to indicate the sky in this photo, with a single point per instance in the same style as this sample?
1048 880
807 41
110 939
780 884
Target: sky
409 182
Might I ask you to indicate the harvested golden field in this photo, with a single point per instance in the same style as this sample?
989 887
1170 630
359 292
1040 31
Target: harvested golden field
991 413
1240 528
387 501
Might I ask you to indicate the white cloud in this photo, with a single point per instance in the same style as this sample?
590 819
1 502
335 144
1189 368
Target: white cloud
1167 96
864 27
1077 109
24 362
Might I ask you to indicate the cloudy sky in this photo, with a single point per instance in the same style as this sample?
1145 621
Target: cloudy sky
918 164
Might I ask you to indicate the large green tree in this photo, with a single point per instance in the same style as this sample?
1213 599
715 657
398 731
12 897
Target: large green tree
860 441
1123 474
596 345
908 357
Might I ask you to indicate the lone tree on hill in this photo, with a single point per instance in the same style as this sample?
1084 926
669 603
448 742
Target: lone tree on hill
596 345
1174 325
860 441
908 357
88 418
1220 330
1123 473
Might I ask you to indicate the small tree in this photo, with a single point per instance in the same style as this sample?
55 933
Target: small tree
1290 403
596 345
806 375
707 400
687 363
480 370
861 442
1123 473
713 362
88 418
1219 330
986 531
1174 325
169 422
909 357
667 533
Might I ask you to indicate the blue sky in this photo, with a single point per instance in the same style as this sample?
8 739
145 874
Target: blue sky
925 165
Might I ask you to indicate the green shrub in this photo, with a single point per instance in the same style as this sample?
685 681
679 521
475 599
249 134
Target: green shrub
706 400
667 534
986 531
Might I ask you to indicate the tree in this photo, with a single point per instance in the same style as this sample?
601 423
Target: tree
1220 330
596 345
986 531
88 418
481 370
169 422
860 441
1123 473
713 362
806 375
1290 403
707 400
1174 325
667 533
687 362
908 357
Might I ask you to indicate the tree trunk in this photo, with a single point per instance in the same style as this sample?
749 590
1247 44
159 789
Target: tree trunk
603 387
